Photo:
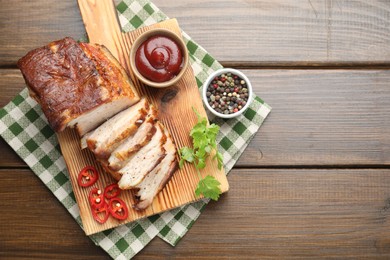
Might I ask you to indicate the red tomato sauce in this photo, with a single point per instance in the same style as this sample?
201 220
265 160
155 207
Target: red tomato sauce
159 59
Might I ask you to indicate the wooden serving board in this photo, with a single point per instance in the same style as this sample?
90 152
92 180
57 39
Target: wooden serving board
175 112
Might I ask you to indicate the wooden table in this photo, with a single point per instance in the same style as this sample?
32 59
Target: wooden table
314 182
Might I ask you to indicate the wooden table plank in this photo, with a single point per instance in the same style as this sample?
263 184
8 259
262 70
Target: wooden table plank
287 31
34 223
302 213
26 25
306 32
319 117
11 84
322 117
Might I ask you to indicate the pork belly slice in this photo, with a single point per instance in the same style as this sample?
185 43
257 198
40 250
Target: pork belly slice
152 115
144 161
121 155
107 137
116 175
76 85
83 140
94 118
155 180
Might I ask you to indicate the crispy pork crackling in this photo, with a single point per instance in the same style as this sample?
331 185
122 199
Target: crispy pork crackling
77 85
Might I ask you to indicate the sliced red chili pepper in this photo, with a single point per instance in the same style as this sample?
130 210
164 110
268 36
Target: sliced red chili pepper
101 214
87 176
118 208
96 198
112 191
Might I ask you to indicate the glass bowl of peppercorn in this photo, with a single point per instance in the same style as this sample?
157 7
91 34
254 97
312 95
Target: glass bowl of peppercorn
227 93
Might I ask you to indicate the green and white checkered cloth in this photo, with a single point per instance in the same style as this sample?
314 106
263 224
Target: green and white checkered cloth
24 127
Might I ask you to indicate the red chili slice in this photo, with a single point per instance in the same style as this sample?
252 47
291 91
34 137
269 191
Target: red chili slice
101 214
87 176
96 198
112 191
118 208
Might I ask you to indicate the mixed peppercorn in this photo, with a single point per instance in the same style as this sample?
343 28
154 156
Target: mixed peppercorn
227 93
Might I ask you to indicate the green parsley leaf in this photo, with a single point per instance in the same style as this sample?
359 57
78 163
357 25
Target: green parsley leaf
203 142
212 131
219 159
207 149
201 163
186 154
197 114
199 140
200 128
209 187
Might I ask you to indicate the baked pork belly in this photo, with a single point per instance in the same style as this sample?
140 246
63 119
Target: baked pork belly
155 180
83 140
107 137
76 84
144 161
83 86
152 116
120 156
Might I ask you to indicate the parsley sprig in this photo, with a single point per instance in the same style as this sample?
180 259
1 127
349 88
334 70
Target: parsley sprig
203 142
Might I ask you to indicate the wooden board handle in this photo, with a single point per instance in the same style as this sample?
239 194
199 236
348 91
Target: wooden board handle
101 23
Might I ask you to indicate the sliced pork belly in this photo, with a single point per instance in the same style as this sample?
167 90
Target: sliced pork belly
116 175
144 161
107 137
76 85
152 113
155 180
121 155
83 140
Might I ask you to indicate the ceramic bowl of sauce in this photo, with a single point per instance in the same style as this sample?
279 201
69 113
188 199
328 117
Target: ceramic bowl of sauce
159 58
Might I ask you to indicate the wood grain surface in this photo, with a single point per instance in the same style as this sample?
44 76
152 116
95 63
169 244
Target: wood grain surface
314 183
279 213
283 32
289 31
319 117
